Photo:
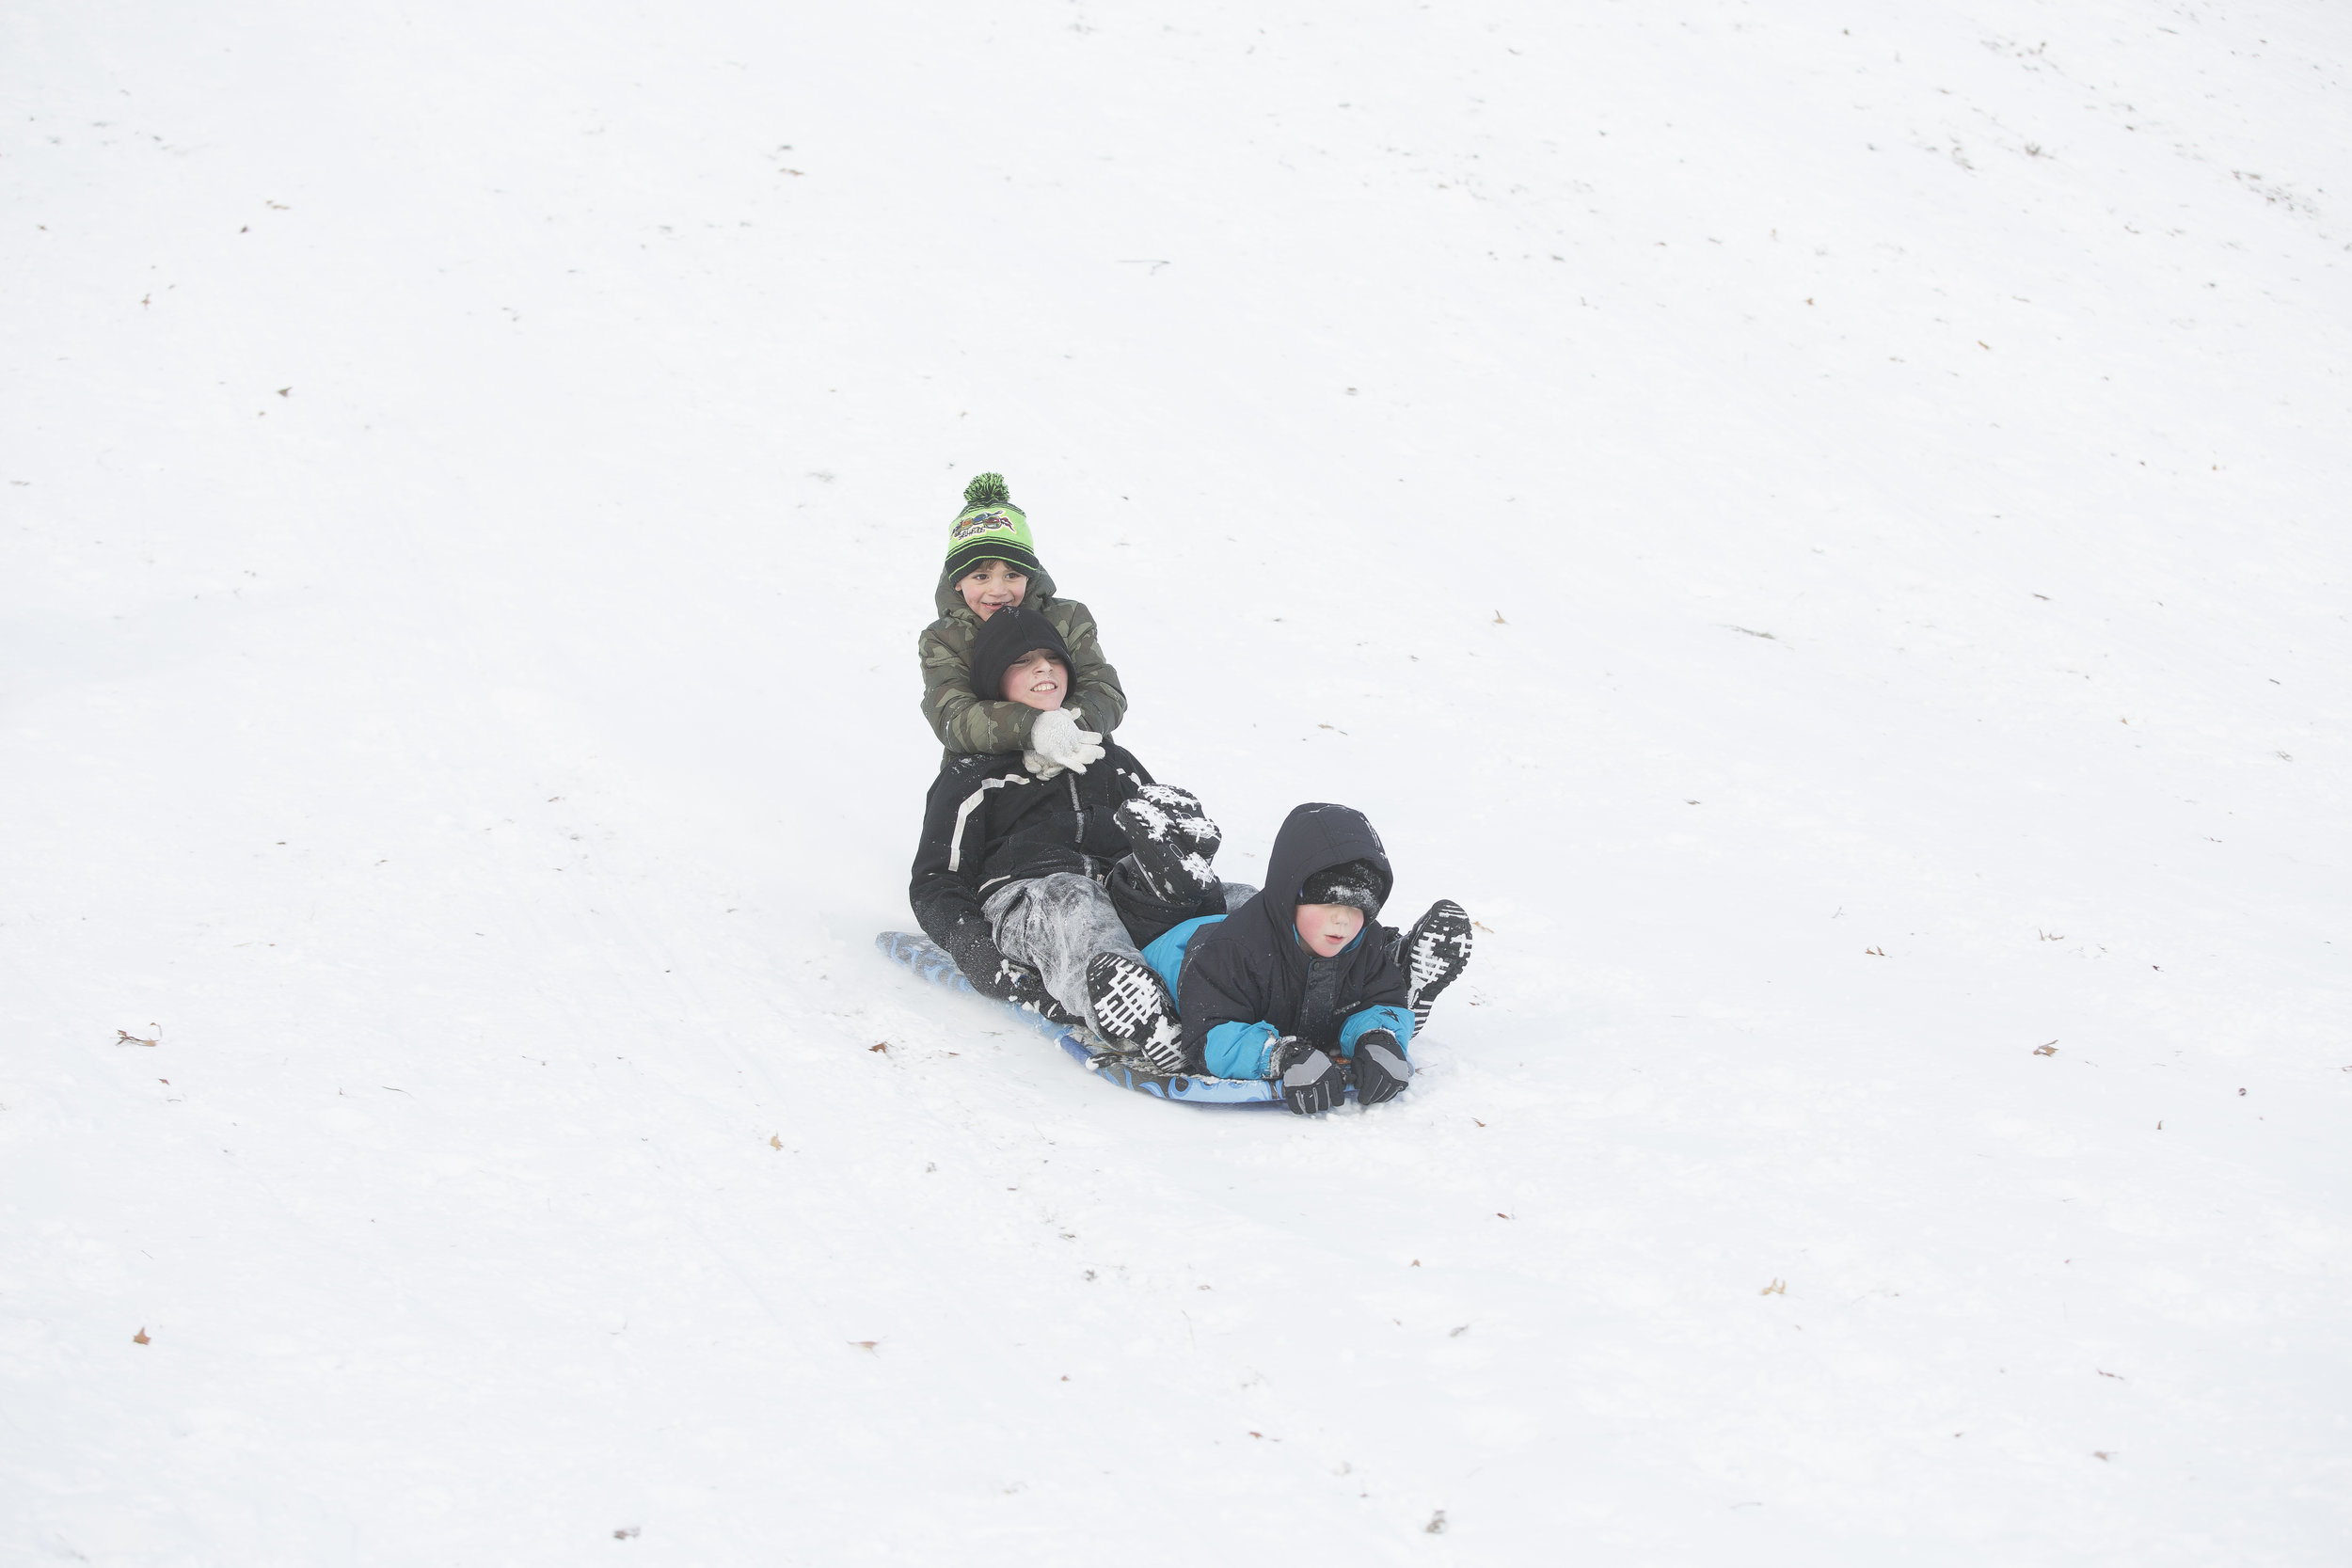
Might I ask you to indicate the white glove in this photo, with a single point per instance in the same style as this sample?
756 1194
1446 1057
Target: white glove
1056 738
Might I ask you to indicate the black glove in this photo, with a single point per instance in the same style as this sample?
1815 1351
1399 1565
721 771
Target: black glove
1381 1070
1309 1081
992 974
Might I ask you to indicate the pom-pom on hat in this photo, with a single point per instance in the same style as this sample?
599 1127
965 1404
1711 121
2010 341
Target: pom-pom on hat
1359 884
990 528
1004 638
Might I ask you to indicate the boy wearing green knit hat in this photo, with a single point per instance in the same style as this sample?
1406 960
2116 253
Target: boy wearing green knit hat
992 562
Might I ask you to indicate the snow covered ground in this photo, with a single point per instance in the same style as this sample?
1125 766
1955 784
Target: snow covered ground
1825 526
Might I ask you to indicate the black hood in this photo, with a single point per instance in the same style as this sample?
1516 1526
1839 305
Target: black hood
1315 838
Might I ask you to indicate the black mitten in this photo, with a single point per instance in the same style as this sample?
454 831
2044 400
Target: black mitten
1309 1081
1381 1070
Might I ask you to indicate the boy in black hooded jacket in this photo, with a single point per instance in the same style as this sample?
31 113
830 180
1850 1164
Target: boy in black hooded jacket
1041 880
1300 975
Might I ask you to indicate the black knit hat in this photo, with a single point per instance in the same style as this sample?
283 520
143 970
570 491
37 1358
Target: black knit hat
1359 884
1004 638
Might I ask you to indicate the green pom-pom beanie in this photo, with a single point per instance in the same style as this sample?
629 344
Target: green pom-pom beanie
990 528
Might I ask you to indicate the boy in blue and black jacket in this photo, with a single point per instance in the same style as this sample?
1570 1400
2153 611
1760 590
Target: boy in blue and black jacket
1300 978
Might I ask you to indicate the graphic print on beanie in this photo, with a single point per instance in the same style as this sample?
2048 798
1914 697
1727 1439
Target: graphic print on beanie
978 524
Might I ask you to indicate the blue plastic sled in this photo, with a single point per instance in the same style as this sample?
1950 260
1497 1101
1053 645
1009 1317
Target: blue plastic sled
1196 1089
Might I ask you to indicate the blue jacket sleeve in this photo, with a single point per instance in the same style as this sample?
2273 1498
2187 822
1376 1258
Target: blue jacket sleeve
1241 1050
1396 1020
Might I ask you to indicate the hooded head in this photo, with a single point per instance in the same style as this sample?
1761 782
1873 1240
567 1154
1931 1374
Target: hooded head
990 528
1318 839
1005 635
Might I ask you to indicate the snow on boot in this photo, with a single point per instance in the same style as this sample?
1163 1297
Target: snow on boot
1132 1009
1186 816
1381 1070
1433 955
1165 839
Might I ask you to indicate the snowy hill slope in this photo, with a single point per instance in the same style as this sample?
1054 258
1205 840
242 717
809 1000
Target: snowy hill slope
1824 528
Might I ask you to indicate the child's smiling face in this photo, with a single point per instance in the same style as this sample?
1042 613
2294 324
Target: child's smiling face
1324 929
991 586
1036 679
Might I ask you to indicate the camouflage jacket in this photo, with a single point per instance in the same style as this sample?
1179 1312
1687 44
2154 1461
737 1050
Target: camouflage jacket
964 722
